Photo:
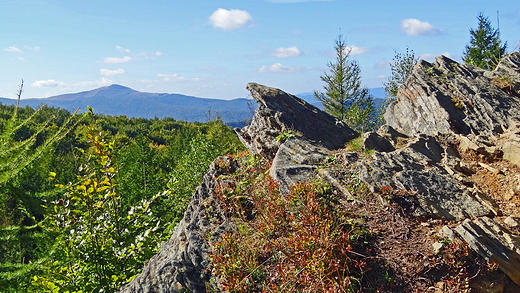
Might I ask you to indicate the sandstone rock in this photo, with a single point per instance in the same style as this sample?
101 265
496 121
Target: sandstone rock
425 148
508 70
439 194
494 243
279 112
181 264
447 97
374 141
350 157
510 194
439 98
470 143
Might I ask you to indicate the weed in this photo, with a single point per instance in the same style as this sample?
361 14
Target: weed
505 83
355 144
455 66
368 153
458 103
285 135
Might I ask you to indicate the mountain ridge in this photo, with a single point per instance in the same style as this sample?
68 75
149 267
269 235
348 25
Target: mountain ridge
121 100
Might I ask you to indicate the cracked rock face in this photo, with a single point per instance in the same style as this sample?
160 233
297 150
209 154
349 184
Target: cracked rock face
416 168
446 97
296 161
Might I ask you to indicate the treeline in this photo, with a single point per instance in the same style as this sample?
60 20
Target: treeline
96 193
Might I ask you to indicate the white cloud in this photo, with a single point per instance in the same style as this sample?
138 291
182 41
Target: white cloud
278 67
197 79
47 83
108 72
54 83
34 49
381 76
172 77
121 49
146 55
12 49
415 27
230 19
355 50
113 60
21 58
286 52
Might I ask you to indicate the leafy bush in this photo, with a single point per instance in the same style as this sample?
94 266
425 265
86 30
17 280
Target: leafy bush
99 245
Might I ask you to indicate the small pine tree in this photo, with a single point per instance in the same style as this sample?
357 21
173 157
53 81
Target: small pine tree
344 96
485 49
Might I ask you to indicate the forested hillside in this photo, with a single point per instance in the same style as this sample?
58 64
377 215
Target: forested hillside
77 216
119 100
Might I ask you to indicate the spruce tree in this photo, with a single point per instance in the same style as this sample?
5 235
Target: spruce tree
344 97
485 49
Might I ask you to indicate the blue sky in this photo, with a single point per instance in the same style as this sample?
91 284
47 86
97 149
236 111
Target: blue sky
211 49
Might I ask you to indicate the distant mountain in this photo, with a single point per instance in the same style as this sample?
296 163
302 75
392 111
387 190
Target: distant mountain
120 100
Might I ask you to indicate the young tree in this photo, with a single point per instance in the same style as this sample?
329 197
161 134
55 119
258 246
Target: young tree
17 150
402 67
99 245
344 96
485 49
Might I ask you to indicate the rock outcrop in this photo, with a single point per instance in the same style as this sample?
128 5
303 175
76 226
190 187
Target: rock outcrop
447 97
280 112
444 110
182 262
481 109
417 168
494 243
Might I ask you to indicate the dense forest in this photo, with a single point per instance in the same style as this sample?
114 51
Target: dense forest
86 199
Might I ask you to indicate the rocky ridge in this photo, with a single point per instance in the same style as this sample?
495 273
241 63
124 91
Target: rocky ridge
451 134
